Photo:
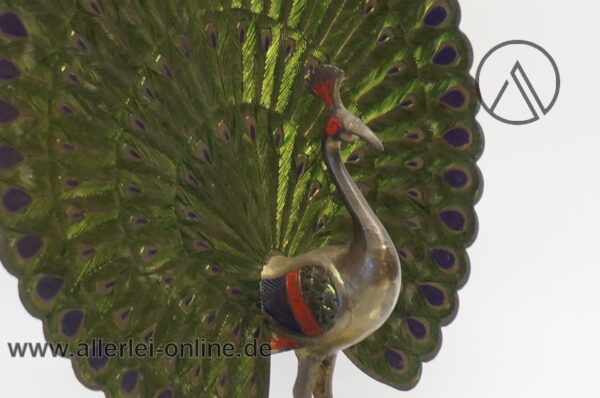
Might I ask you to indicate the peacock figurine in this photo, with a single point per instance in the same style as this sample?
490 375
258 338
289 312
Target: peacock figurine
182 170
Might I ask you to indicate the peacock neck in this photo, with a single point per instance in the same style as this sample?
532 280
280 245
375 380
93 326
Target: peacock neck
368 230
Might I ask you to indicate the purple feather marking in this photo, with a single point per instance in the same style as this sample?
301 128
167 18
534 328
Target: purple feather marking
98 360
278 139
215 269
65 146
9 157
433 295
165 394
8 70
290 45
65 110
446 56
252 131
12 25
436 16
150 94
454 98
86 252
407 104
70 182
132 189
72 77
453 219
29 246
80 43
94 7
139 221
458 137
201 245
394 358
417 329
192 180
15 200
134 154
206 156
211 318
129 381
415 193
105 287
71 322
443 258
47 287
125 314
456 178
8 113
412 223
167 71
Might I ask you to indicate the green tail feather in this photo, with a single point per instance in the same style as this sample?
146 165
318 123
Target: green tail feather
156 152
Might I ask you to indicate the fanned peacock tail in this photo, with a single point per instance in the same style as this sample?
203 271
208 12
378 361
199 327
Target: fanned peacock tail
153 153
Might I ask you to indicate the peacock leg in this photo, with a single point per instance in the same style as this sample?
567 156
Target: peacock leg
324 382
308 366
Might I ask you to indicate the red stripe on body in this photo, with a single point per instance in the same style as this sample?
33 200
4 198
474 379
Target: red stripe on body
333 126
280 343
298 305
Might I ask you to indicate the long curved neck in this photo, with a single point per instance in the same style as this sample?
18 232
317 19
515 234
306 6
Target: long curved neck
368 230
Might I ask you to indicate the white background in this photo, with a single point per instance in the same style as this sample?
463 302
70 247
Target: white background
528 321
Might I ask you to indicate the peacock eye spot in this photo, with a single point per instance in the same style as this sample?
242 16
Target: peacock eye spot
12 26
8 112
8 70
95 8
165 394
213 35
436 15
129 381
242 29
369 7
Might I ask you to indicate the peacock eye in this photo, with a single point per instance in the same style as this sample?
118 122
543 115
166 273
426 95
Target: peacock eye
251 127
386 35
213 35
370 6
241 31
289 47
224 132
266 39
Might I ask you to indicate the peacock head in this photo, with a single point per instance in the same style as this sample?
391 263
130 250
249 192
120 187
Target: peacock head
349 128
324 82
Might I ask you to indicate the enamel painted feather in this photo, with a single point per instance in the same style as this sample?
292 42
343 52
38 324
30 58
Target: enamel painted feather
295 174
